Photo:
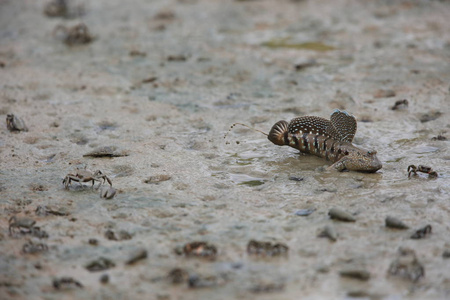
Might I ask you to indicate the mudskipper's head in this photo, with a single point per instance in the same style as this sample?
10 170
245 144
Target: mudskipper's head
278 133
363 161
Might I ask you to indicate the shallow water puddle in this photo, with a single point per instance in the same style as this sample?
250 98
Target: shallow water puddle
424 149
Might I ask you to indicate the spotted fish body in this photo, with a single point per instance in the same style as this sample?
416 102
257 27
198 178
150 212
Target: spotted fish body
329 139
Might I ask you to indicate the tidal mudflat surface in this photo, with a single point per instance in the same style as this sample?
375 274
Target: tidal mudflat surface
145 92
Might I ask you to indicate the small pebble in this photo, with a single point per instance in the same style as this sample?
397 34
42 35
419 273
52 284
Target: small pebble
329 233
358 294
295 178
100 264
107 192
305 64
104 279
266 248
106 151
267 287
65 283
304 212
341 215
93 242
178 275
431 116
393 222
157 178
196 281
356 274
200 249
446 253
136 256
384 94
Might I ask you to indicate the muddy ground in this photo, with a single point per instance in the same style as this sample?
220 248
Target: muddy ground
163 81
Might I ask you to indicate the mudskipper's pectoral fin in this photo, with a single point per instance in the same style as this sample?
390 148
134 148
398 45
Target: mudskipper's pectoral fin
343 126
339 165
309 124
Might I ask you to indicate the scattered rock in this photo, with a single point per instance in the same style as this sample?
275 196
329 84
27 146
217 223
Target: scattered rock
446 253
149 79
384 93
178 275
122 235
157 178
137 53
165 15
359 294
66 283
431 116
359 274
266 248
104 279
93 242
137 255
300 66
267 287
205 281
422 232
304 212
76 35
60 8
107 192
199 249
100 264
329 233
341 215
294 178
393 222
407 266
176 57
106 151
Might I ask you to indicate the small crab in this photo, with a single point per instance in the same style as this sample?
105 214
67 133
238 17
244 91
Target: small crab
412 170
76 35
84 175
21 223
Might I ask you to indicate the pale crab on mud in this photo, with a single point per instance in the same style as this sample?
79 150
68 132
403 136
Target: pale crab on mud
412 170
85 175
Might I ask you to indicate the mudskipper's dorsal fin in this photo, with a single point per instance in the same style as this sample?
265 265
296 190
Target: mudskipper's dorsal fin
343 126
309 124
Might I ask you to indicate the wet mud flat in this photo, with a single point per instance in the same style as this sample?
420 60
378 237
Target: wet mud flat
145 93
